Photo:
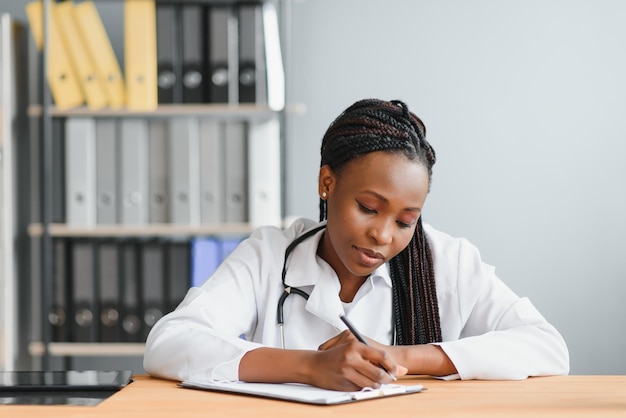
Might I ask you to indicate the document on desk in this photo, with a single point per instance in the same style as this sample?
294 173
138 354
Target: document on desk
303 393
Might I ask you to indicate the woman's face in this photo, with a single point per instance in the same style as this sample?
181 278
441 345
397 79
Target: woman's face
374 203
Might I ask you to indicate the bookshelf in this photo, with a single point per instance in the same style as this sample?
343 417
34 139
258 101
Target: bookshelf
251 117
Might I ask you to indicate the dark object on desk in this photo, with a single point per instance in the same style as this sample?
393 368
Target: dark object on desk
69 387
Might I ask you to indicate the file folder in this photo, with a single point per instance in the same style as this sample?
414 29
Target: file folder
101 52
206 256
130 273
158 181
211 171
251 54
273 58
193 35
153 284
169 69
83 315
61 76
140 54
59 195
236 173
219 68
89 80
178 263
184 171
133 174
109 291
264 173
106 171
80 175
59 316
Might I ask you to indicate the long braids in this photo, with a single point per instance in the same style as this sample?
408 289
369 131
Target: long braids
375 125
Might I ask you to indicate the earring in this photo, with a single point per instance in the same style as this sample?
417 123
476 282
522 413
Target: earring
324 195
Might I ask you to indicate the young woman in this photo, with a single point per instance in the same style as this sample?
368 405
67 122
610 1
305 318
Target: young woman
424 301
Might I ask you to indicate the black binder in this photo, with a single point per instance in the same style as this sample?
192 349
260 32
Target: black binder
130 272
252 87
109 291
178 272
83 312
58 317
193 39
153 284
169 79
219 68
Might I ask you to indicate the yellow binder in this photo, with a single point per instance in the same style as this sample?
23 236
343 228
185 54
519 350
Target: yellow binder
99 48
90 81
140 54
60 74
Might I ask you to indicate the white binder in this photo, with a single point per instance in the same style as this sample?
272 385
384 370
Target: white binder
264 173
106 171
80 175
133 179
158 182
184 166
235 172
211 171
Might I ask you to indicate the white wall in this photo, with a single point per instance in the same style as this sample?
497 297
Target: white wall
525 104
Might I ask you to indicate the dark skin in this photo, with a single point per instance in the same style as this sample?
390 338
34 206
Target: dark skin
374 203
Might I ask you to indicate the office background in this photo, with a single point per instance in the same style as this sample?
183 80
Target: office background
525 104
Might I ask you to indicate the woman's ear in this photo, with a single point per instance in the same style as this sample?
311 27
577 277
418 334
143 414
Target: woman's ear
325 182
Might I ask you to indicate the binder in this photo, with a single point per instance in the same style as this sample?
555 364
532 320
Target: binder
59 195
130 273
101 52
206 256
140 54
58 317
153 284
194 85
184 173
178 272
89 80
235 175
80 175
133 173
211 171
264 173
83 312
219 70
158 181
109 291
169 79
273 58
61 76
251 54
106 171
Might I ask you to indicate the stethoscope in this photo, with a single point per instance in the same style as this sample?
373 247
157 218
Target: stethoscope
289 290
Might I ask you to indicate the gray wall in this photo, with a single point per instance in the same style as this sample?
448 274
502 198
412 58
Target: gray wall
525 103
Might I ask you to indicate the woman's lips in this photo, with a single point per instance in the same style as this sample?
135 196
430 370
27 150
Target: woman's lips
369 258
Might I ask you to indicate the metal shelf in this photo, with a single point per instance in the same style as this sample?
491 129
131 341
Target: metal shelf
37 349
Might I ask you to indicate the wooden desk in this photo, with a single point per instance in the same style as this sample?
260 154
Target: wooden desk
563 396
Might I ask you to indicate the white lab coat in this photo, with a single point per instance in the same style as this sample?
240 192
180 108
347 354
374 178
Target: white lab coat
488 331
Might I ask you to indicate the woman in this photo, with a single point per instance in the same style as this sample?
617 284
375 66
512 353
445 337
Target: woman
425 301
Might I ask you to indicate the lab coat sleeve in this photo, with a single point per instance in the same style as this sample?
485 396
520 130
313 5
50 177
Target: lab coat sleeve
503 336
200 339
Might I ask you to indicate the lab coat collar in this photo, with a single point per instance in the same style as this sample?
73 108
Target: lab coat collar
305 268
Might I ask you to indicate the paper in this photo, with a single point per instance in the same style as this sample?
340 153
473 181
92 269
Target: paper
303 393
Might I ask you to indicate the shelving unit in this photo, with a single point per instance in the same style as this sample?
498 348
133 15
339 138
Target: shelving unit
44 231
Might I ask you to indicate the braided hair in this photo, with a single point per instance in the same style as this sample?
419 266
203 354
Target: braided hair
374 125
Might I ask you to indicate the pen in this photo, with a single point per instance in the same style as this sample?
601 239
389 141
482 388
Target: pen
359 337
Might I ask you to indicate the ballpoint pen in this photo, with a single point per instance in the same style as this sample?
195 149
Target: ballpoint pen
359 337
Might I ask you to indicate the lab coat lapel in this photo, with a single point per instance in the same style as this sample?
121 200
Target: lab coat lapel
305 269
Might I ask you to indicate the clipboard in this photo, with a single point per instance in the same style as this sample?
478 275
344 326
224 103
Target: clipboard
296 392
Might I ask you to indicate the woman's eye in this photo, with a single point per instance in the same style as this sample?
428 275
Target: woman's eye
404 224
365 208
